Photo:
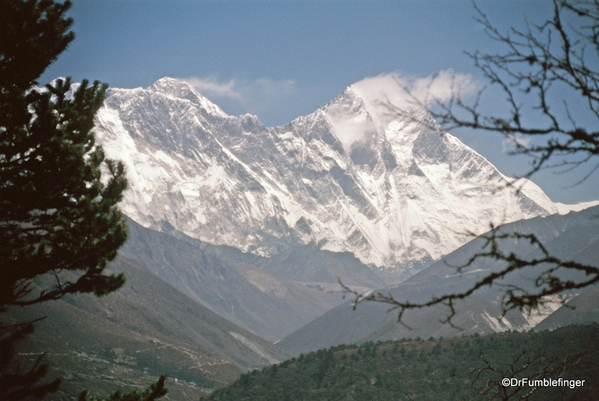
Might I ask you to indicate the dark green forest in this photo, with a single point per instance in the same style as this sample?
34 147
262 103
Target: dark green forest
469 367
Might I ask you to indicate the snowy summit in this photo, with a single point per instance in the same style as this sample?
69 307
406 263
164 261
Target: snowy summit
367 173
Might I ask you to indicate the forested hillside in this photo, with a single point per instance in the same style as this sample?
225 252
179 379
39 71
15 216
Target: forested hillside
470 367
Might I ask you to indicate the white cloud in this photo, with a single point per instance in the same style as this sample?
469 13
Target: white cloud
393 91
210 86
404 91
443 86
512 142
349 128
252 95
386 94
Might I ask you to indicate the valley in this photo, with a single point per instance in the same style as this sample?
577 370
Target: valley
429 231
466 367
240 235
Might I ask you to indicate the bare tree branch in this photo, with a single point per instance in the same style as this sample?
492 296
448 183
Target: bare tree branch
532 367
539 63
547 283
532 70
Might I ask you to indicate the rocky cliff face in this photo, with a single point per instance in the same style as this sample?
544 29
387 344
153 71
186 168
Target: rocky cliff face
362 174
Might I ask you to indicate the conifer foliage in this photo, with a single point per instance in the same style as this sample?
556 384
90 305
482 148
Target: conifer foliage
464 368
56 214
59 221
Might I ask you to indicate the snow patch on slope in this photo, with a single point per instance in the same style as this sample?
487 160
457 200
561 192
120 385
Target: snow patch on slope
531 318
361 175
564 208
254 347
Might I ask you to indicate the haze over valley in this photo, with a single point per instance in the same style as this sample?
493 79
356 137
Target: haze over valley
239 235
299 200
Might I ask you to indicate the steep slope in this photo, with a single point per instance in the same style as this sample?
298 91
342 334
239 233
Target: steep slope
573 236
433 369
582 309
309 264
362 174
269 306
306 264
126 339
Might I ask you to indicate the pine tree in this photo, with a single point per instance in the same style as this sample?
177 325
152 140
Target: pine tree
58 194
55 212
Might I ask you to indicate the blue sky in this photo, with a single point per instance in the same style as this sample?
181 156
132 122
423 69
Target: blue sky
283 59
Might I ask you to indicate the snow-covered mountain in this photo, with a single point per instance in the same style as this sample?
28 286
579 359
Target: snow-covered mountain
364 173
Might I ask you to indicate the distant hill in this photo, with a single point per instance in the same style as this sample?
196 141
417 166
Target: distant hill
582 309
463 368
126 339
573 236
265 304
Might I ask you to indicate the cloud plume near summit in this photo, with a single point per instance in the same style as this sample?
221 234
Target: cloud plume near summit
387 94
265 95
404 91
252 96
398 200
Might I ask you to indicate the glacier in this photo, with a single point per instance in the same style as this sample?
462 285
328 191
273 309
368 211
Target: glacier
364 173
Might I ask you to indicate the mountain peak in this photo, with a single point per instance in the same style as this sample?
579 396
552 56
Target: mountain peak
368 173
387 99
182 90
378 110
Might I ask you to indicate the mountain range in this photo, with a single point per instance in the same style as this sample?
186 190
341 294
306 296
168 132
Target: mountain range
267 305
239 235
254 222
126 339
570 237
363 174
